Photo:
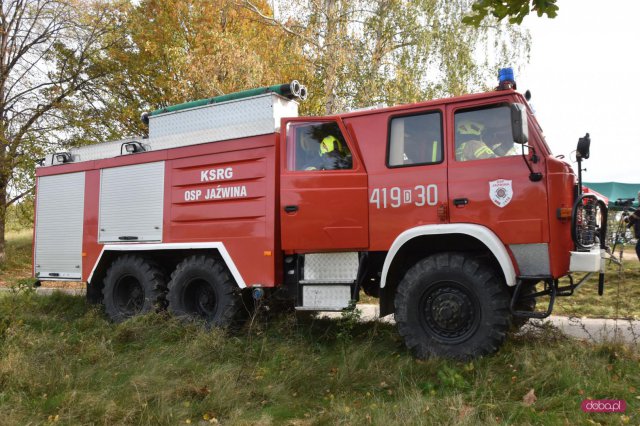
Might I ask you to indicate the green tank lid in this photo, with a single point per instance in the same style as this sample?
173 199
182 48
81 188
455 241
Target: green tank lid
288 90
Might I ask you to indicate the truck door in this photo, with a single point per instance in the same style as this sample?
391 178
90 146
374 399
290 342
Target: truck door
323 195
489 182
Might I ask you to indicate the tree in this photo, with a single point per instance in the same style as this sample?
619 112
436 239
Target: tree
515 10
46 52
324 34
175 51
368 52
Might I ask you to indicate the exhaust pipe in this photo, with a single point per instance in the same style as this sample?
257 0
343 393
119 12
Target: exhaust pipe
291 90
295 88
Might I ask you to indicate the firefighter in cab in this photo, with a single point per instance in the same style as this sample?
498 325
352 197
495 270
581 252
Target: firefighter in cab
469 143
475 141
500 139
333 154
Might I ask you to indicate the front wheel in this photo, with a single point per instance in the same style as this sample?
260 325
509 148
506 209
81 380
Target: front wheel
453 306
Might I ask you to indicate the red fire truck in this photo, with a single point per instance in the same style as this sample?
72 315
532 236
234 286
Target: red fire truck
451 211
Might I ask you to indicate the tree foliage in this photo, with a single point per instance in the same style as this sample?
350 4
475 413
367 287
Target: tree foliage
515 10
176 51
368 52
350 53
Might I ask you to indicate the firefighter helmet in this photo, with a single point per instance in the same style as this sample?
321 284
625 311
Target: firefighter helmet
468 127
329 144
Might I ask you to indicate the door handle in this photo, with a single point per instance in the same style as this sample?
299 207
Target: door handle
460 202
290 209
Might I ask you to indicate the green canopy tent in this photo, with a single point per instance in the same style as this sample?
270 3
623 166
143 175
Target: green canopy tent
616 190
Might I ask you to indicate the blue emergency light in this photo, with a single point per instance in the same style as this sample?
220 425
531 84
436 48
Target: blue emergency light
506 79
505 74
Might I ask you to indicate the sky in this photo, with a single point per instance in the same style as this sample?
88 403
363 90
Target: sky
583 76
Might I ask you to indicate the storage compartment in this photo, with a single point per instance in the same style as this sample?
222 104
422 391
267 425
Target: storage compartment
585 261
328 297
59 227
330 267
131 203
240 118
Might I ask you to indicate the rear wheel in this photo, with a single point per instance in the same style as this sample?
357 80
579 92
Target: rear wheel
451 305
201 287
133 285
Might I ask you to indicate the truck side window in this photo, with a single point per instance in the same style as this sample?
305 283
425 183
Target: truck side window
484 133
415 140
317 146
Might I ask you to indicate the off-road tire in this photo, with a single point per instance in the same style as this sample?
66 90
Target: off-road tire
524 305
133 285
450 305
201 288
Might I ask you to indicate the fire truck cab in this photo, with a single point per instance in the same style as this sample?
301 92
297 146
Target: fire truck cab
450 211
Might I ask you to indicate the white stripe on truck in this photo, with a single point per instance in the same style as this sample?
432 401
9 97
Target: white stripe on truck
176 246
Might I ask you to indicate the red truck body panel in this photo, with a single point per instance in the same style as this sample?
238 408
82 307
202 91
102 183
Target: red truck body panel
527 220
361 209
332 205
246 225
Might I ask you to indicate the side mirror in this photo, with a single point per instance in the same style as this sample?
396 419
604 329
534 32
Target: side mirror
519 123
584 143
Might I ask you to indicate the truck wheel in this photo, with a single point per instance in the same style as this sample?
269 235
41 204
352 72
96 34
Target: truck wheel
133 285
451 305
201 287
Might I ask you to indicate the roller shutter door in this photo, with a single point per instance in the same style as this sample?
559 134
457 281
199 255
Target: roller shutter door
59 226
131 203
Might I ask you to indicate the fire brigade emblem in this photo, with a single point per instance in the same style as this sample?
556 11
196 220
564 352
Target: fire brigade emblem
500 192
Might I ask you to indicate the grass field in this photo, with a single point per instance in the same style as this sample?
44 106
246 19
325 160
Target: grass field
62 362
17 267
621 298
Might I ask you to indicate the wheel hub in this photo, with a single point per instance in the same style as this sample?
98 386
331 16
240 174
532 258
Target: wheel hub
448 311
206 300
200 298
129 296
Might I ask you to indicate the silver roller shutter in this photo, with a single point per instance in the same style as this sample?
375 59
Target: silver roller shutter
131 203
59 226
